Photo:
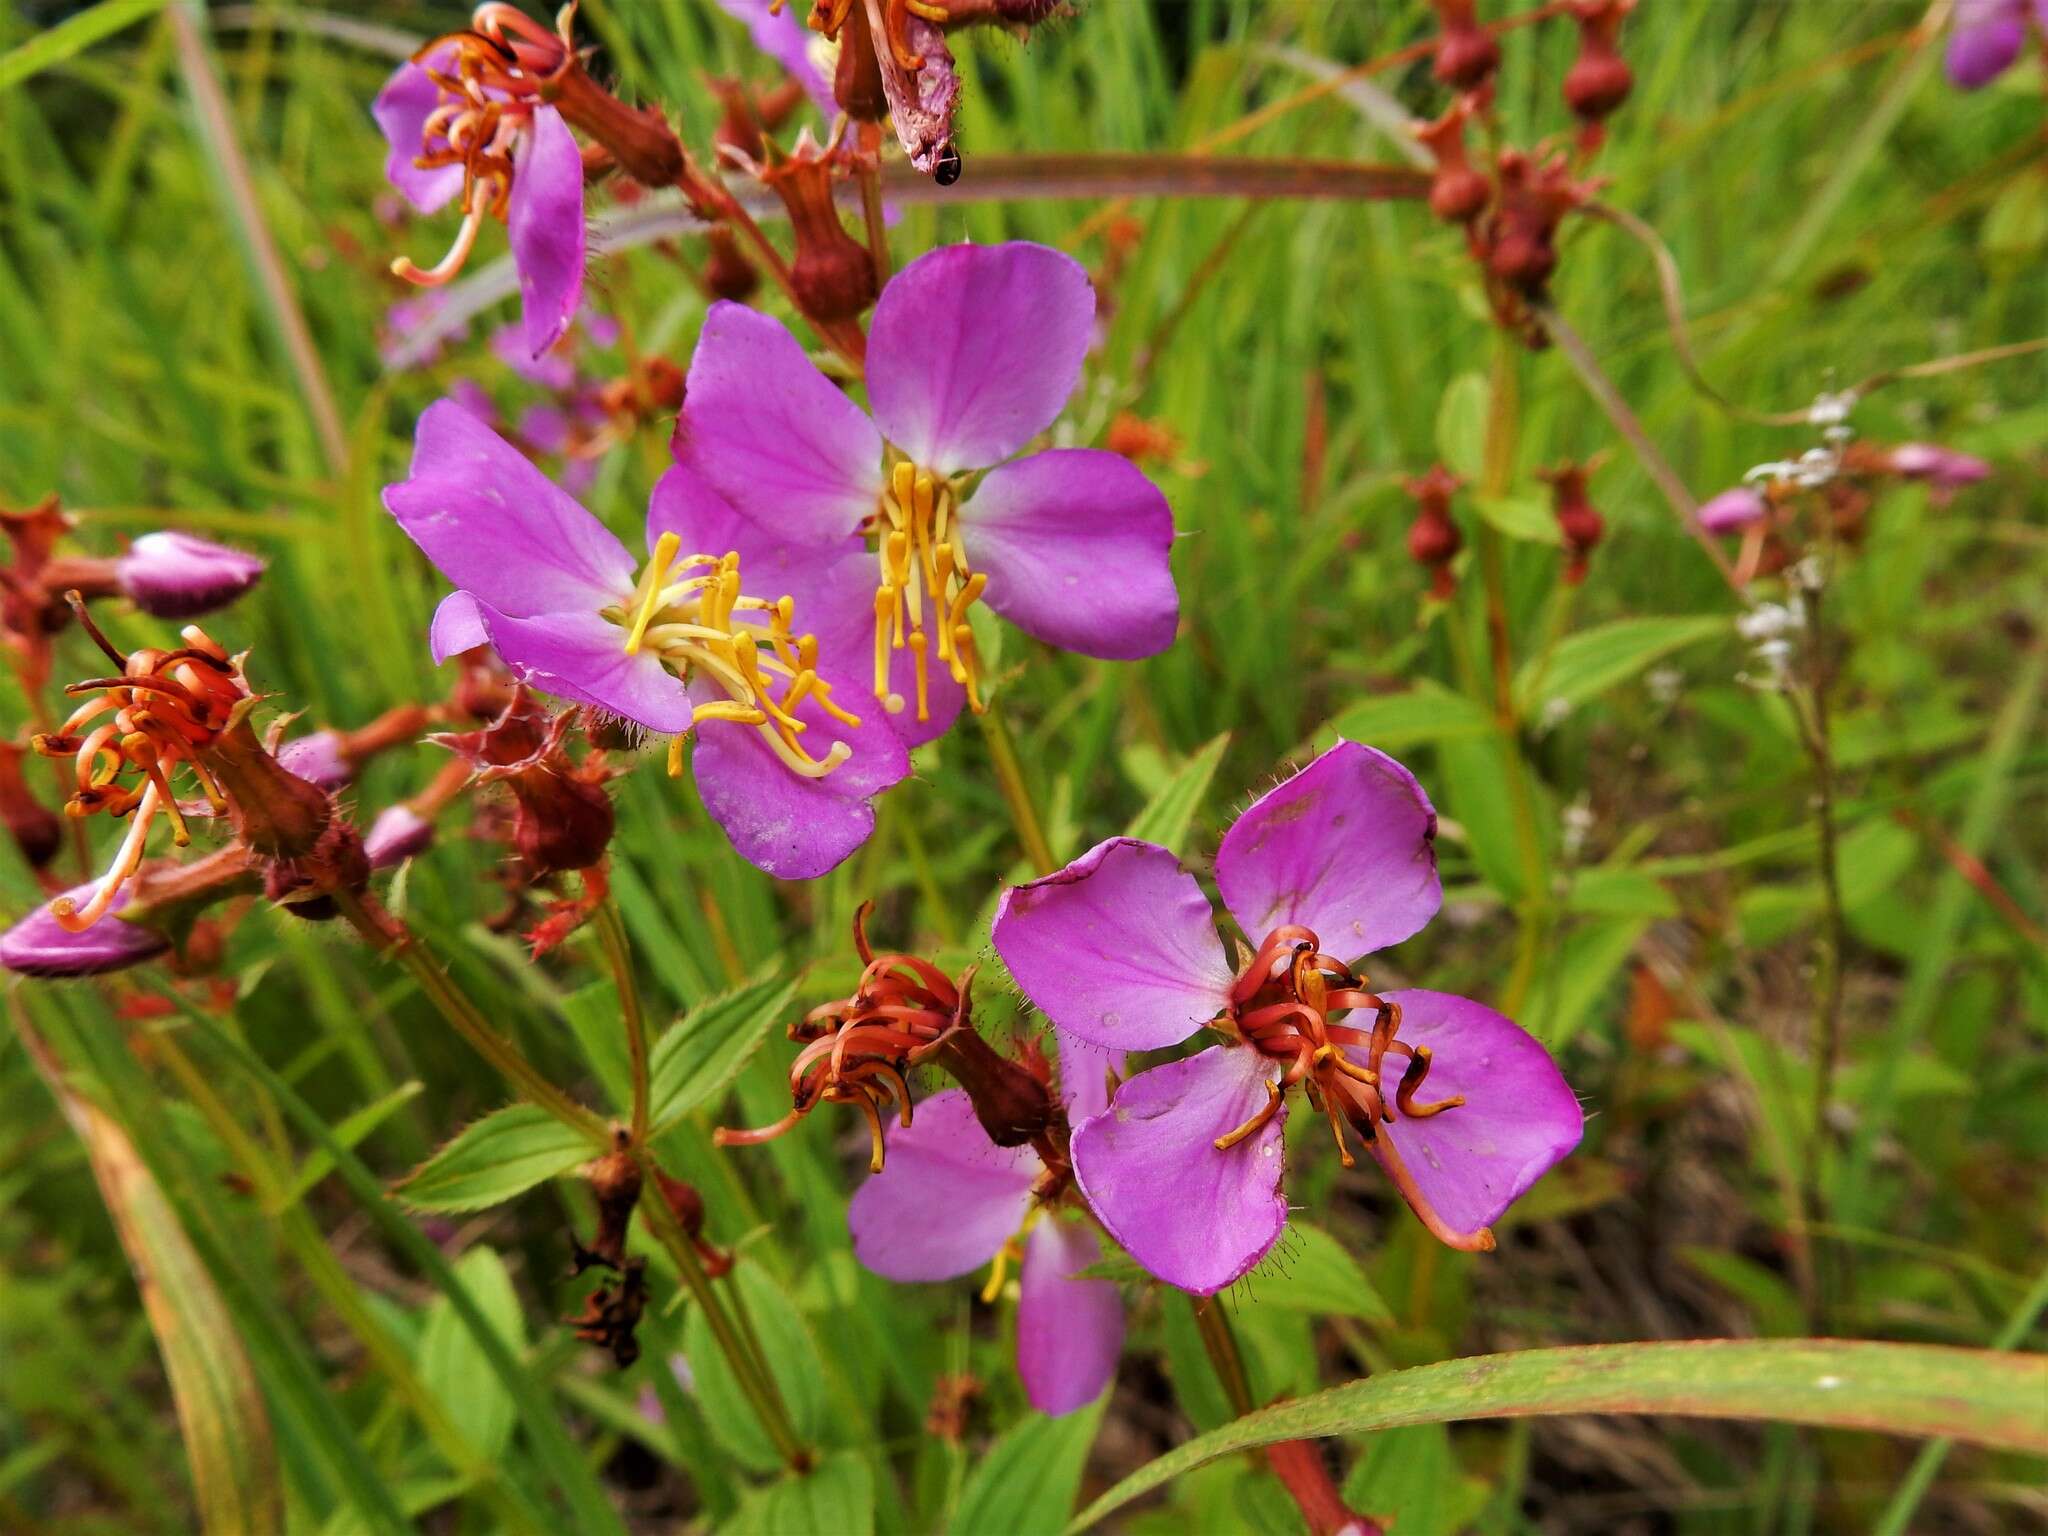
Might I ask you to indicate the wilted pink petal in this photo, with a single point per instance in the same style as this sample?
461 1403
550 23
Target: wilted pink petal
974 349
545 222
1346 848
1069 1332
1075 545
39 945
399 833
1119 948
1194 1216
947 1198
1519 1119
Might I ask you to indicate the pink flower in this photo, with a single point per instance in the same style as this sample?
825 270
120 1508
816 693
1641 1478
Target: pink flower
1987 38
682 645
778 31
1185 1166
972 352
1942 468
467 119
1732 510
948 1200
39 945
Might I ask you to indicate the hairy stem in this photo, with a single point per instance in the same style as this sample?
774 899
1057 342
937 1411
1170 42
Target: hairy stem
618 954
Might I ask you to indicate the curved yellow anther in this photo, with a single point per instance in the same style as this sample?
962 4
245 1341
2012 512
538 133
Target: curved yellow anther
647 596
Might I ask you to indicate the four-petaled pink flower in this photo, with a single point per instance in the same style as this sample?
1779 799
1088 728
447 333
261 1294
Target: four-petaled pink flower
704 636
948 1200
465 117
972 352
1184 1168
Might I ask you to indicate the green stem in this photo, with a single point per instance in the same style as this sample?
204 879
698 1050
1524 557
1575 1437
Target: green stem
618 954
387 933
1002 751
748 1367
1224 1355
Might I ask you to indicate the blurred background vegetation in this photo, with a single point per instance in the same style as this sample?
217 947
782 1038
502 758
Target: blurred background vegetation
1835 209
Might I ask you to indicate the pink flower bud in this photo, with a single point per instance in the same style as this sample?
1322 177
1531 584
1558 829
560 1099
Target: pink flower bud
39 945
398 833
177 576
1732 510
318 759
1942 468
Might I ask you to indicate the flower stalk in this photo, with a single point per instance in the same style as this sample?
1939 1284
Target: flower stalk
618 954
1002 751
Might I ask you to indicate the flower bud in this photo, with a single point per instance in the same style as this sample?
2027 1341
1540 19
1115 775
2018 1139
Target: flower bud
1732 510
1942 468
34 826
639 138
1459 193
857 80
1466 54
833 275
39 945
1579 524
176 576
319 759
727 272
399 833
1433 538
275 812
1599 79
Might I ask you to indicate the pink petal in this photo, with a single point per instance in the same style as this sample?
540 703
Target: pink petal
943 1163
975 348
1987 38
545 222
1119 948
1195 1217
1346 848
499 528
401 110
1075 544
832 580
773 434
1519 1119
582 658
789 826
1069 1332
458 626
39 945
1084 1076
1732 510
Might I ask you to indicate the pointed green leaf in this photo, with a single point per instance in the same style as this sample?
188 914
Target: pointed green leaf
700 1055
504 1154
1310 1271
1169 814
1905 1389
1593 660
453 1364
1025 1482
1425 713
834 1498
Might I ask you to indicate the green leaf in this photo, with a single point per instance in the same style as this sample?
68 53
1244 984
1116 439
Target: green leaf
835 1498
791 1358
1461 425
700 1055
349 1133
1425 713
71 36
490 1160
1025 1483
1169 814
1907 1389
1521 517
453 1364
1310 1271
1590 662
1409 1481
593 1015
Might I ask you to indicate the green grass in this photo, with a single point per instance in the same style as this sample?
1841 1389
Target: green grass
1308 356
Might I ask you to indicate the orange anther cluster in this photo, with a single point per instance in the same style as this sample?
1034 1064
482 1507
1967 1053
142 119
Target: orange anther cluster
860 1049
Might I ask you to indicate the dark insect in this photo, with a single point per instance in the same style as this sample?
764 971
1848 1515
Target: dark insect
946 169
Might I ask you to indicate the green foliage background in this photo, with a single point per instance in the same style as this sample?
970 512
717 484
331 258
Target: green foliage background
1835 208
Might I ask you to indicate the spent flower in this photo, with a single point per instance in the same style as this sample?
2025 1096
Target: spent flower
1184 1167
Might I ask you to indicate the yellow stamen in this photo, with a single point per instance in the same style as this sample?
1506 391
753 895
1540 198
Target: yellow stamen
647 596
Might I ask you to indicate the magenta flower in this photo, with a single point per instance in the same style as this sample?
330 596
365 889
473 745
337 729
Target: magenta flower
948 1200
177 576
467 119
973 351
1732 510
399 833
39 945
1987 38
1185 1166
318 759
782 766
